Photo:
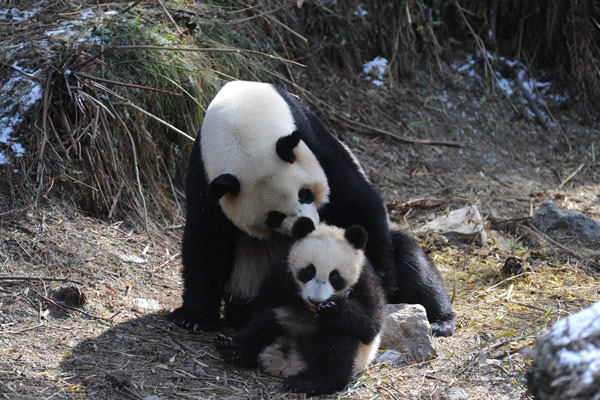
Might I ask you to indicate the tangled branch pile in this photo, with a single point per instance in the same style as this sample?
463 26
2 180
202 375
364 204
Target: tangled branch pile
111 132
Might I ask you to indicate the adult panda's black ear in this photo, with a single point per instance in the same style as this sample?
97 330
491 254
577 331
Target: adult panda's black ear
302 227
357 236
285 146
222 184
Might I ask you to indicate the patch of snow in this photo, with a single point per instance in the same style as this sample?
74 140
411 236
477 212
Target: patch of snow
374 69
87 14
16 15
589 356
17 96
576 326
55 32
505 85
360 11
572 332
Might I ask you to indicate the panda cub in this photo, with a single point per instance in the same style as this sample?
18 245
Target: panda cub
318 313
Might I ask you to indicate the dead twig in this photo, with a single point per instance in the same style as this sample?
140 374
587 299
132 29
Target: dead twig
70 308
131 85
581 258
38 278
402 139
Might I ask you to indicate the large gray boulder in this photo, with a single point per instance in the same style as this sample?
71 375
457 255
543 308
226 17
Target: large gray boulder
407 334
567 224
566 359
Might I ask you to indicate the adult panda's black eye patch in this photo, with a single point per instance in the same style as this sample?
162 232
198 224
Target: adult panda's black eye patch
306 273
306 196
274 219
336 280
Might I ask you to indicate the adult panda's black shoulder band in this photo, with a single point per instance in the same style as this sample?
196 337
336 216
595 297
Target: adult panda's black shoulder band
224 183
285 146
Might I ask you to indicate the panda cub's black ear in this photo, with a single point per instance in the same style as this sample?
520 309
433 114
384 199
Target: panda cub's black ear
285 146
357 236
302 227
224 183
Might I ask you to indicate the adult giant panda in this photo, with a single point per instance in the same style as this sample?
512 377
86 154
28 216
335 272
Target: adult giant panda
318 313
261 163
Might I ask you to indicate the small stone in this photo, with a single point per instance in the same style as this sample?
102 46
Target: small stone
407 331
71 296
147 304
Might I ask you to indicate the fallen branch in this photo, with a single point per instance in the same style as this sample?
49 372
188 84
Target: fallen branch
581 258
131 85
37 278
402 139
70 308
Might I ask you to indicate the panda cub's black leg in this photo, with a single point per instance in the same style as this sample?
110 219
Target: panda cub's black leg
330 360
243 349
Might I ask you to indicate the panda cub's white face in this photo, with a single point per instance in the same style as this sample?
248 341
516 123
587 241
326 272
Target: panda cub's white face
261 172
325 263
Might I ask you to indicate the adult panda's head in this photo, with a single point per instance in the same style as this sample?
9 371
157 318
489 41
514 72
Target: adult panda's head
327 262
263 175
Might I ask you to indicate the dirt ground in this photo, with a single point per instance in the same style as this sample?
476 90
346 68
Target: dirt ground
83 301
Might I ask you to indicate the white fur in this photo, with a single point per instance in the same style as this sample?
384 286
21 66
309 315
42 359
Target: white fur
365 354
317 290
252 261
274 360
327 249
239 134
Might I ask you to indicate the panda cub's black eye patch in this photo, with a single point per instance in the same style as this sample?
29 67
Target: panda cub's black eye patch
306 196
306 273
274 219
336 280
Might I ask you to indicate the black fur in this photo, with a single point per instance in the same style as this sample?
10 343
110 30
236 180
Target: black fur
285 147
209 237
225 183
329 352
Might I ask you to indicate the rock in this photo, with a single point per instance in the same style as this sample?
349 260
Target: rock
70 295
407 331
462 225
147 304
566 359
563 223
455 393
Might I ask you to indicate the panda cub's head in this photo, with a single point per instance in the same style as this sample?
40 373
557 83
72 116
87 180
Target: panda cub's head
258 167
327 262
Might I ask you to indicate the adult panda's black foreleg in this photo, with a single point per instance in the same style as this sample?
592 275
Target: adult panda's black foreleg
418 281
207 253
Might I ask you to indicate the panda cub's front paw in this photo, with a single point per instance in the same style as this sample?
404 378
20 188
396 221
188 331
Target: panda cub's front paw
229 349
328 305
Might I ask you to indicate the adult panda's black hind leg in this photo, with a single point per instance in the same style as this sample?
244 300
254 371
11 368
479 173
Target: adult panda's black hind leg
418 281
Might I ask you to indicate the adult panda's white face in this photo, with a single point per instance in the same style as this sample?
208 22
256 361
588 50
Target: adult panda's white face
327 262
261 172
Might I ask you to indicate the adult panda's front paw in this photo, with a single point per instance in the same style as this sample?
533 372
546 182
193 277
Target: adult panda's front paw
193 320
444 327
